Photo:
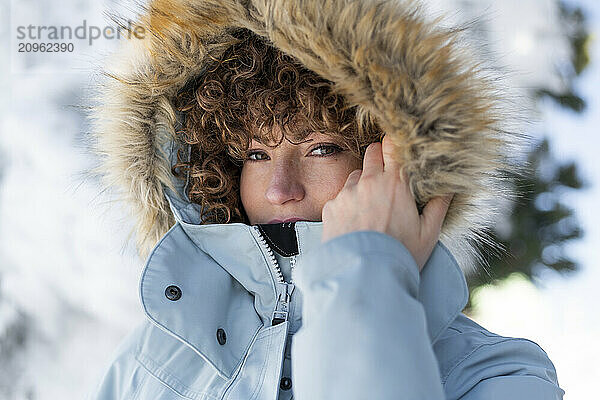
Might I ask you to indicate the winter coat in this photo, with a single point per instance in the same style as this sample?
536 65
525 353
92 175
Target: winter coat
356 319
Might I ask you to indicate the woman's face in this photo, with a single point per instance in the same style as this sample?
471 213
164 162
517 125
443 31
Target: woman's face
294 180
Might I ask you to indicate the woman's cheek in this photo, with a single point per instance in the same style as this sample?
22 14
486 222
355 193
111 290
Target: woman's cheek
250 191
326 181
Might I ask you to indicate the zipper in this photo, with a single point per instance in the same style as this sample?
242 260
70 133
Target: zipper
284 289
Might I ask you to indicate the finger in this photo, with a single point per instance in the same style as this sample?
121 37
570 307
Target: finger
353 178
404 186
388 149
435 212
373 160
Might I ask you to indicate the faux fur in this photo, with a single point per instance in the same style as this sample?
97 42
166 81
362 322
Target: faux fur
444 112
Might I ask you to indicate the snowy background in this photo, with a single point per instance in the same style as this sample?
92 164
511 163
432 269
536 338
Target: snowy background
68 278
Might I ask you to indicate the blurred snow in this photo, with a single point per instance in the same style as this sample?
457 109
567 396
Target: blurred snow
68 284
523 35
62 257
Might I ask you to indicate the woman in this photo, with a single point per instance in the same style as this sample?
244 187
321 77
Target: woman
290 251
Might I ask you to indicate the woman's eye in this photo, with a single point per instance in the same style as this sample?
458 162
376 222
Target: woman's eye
325 150
322 150
256 156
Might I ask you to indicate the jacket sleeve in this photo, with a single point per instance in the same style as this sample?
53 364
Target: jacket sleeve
122 377
511 368
363 333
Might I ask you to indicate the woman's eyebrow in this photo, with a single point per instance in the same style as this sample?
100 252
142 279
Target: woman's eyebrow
258 139
261 140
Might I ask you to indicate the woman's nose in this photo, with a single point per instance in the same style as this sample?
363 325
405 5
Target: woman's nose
284 184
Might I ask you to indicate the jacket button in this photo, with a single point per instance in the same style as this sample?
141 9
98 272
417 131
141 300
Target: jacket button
173 293
286 383
221 336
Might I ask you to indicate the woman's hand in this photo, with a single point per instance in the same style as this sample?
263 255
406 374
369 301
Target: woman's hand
376 198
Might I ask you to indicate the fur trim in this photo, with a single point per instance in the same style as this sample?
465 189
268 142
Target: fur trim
444 112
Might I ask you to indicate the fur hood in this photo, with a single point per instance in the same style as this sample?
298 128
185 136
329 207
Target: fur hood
443 110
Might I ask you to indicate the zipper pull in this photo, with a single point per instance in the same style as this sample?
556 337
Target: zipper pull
283 301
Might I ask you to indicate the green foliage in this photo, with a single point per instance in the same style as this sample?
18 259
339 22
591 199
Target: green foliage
575 28
578 35
567 99
540 224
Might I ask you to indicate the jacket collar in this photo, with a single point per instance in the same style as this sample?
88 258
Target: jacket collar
226 283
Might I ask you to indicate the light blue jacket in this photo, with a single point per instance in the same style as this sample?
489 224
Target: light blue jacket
362 323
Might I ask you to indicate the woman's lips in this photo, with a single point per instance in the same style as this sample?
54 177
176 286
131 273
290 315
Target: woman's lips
278 221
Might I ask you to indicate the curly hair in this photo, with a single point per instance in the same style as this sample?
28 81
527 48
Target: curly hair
243 95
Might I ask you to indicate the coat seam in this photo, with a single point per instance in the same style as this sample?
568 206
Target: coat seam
446 376
191 395
490 335
233 382
237 379
485 333
493 335
263 372
518 376
138 389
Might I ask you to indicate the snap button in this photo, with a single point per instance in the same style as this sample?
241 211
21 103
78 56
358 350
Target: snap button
173 293
286 383
221 336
